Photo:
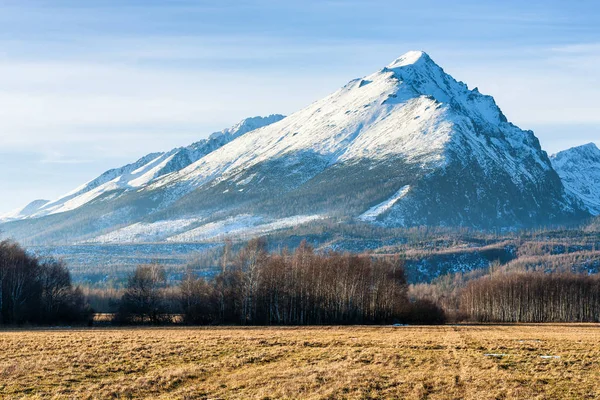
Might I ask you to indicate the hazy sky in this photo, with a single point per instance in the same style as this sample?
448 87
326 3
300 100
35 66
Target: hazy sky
89 85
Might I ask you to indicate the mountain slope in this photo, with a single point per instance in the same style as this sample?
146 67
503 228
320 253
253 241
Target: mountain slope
407 145
408 126
579 169
24 212
148 168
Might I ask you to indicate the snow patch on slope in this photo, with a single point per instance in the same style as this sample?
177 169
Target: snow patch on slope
240 225
147 173
371 214
146 232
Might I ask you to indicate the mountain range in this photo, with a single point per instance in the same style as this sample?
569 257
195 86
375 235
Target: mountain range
405 146
579 169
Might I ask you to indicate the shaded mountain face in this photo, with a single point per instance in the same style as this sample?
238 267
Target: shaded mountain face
407 145
579 169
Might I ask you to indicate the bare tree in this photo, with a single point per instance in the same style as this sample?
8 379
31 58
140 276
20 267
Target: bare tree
37 292
56 287
198 300
142 300
300 288
533 297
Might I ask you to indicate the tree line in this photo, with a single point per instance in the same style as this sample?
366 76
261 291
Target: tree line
507 294
301 287
533 297
255 287
304 287
34 291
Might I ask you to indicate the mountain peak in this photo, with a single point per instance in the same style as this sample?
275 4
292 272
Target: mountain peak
247 125
413 57
589 149
579 169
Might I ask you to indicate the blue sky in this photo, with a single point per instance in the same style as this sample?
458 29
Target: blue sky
90 85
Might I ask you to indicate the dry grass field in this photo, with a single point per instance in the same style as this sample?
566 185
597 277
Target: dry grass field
446 362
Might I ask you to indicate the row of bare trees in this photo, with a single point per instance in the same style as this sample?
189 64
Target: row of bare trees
37 292
533 297
299 288
303 288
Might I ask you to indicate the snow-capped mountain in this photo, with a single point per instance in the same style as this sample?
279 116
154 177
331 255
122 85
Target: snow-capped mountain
579 169
24 212
143 171
407 145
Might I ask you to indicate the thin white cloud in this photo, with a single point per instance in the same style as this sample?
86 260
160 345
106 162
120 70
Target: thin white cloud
578 48
51 156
